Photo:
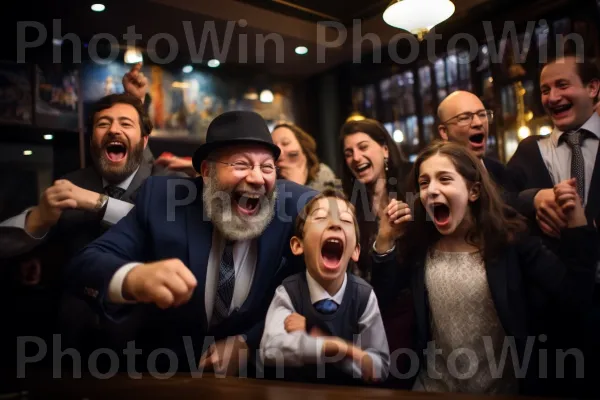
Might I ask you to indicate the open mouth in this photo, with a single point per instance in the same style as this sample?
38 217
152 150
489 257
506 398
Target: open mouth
362 167
248 203
331 252
441 214
477 139
116 151
558 110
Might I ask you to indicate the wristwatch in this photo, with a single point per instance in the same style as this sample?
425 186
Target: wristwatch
101 203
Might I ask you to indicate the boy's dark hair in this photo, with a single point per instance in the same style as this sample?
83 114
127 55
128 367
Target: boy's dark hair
123 98
325 194
495 225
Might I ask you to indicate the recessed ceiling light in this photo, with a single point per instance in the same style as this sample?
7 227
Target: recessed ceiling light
27 152
57 42
301 50
187 69
48 137
214 63
98 7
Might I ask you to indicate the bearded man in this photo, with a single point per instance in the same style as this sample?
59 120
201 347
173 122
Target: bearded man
204 254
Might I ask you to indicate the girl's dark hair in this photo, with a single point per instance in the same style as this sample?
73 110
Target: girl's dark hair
495 225
309 148
360 195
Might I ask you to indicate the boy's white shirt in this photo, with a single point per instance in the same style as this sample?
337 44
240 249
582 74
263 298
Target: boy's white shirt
280 348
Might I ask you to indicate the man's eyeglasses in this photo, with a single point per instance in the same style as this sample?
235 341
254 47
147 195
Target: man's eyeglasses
244 167
465 119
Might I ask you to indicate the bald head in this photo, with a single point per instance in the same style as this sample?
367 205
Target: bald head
454 112
456 103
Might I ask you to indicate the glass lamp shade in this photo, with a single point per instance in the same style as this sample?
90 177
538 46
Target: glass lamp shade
418 16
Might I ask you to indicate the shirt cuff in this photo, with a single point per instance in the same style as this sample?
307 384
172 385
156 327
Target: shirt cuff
115 287
115 210
18 221
383 254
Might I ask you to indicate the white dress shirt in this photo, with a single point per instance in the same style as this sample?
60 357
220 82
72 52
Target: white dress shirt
20 241
557 153
299 348
244 264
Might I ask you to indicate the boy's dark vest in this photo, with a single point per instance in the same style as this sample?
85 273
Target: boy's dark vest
343 323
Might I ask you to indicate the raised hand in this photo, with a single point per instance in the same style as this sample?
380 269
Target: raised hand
61 196
393 220
135 83
166 283
549 215
567 198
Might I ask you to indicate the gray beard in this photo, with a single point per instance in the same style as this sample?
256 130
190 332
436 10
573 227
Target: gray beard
117 175
218 207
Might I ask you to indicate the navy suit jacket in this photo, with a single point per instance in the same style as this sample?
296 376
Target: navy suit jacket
158 229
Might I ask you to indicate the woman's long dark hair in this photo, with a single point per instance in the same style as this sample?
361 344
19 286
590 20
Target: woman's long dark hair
360 195
495 225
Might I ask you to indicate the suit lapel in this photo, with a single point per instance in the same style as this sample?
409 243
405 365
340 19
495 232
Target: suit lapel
593 201
140 176
199 241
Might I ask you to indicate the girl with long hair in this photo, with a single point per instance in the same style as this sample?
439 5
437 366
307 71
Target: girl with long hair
476 275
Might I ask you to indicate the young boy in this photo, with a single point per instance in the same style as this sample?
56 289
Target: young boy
324 324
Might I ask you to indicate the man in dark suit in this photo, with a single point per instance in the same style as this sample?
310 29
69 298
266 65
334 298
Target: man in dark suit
569 88
204 254
465 120
77 209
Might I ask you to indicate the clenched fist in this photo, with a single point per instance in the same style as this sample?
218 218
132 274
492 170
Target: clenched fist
166 283
60 196
393 220
135 83
295 322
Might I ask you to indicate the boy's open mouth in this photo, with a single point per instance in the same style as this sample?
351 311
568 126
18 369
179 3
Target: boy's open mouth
332 251
248 203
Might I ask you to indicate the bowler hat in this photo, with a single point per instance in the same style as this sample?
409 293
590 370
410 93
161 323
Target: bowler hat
235 127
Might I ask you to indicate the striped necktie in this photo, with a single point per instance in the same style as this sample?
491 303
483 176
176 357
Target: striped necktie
225 286
574 140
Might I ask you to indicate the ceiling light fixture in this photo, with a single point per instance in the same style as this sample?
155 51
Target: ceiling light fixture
301 50
266 96
98 7
418 16
187 69
27 152
214 63
48 137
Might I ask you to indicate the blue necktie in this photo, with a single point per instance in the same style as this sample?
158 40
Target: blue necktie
225 285
326 306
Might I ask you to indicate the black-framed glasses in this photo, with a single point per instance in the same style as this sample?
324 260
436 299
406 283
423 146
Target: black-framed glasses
466 118
243 167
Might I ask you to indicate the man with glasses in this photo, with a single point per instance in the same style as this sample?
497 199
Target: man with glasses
465 120
204 254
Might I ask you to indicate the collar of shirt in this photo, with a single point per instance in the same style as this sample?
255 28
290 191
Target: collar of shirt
317 293
125 183
591 125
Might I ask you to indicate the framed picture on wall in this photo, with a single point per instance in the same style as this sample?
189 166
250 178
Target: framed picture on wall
16 105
